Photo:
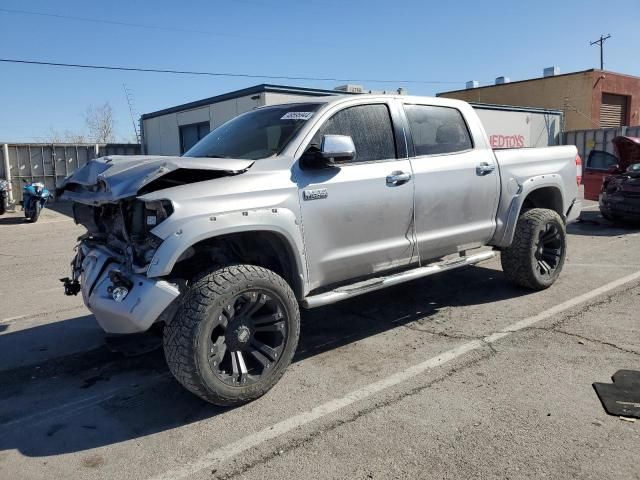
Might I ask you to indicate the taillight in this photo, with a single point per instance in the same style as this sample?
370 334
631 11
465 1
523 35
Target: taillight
578 170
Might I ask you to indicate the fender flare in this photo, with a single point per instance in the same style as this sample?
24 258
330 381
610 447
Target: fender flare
506 227
280 221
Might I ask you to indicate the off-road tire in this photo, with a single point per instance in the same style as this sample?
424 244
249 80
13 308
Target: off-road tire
519 262
186 336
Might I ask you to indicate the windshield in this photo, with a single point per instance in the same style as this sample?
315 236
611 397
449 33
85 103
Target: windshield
257 134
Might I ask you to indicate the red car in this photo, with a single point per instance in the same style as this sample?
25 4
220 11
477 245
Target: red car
601 164
619 190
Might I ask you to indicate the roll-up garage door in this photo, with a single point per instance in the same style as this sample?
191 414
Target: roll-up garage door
613 110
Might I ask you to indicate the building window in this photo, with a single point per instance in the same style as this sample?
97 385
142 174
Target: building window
613 111
192 134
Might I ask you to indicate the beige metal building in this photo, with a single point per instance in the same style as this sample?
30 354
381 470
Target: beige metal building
175 130
589 99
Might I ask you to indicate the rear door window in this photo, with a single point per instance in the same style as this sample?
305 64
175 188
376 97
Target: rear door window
437 130
370 128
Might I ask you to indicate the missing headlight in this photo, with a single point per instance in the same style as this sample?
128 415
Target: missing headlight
156 212
142 217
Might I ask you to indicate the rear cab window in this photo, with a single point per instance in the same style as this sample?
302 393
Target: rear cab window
437 130
370 128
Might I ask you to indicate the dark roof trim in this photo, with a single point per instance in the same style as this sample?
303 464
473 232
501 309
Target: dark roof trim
514 108
312 92
519 81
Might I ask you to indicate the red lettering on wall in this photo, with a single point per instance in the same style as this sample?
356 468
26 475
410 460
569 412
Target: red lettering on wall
506 141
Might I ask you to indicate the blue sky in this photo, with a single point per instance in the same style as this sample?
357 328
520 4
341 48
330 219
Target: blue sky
451 41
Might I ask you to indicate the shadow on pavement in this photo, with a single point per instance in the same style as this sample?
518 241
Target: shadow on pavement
157 406
592 223
13 220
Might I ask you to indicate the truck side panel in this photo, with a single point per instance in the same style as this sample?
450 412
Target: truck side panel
524 171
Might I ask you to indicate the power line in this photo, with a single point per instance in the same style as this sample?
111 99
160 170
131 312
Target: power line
153 27
222 74
119 23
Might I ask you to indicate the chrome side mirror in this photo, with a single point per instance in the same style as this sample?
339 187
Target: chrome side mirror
337 148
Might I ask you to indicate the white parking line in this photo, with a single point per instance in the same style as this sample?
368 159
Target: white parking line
601 265
214 458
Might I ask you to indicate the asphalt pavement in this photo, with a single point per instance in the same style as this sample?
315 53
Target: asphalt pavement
455 376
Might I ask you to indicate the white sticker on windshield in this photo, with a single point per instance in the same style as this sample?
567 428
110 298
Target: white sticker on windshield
297 116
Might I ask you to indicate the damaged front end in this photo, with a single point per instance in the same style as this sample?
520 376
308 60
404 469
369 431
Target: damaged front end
112 258
620 195
111 261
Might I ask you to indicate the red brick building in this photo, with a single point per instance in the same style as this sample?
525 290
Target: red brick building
589 99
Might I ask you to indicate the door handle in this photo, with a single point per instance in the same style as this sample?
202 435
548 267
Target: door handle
485 169
398 178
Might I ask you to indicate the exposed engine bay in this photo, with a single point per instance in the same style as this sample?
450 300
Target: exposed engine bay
125 227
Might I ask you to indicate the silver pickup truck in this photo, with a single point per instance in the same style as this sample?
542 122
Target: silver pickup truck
305 204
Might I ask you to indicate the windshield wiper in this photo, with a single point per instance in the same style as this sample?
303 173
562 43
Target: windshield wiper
214 155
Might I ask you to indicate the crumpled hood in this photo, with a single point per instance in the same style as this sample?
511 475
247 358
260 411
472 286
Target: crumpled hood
109 179
628 151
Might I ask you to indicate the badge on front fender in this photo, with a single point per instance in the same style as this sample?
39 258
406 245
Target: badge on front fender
315 194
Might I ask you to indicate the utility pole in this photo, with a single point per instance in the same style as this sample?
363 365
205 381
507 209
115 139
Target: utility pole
601 43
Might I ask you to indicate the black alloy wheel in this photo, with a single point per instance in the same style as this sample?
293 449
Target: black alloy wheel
549 249
247 338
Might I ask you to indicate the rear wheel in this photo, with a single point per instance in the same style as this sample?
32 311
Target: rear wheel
3 203
536 256
234 334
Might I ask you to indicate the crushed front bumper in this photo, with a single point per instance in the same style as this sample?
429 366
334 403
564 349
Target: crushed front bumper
146 300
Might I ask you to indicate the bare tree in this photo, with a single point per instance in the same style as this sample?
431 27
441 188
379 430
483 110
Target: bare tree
100 123
70 137
67 137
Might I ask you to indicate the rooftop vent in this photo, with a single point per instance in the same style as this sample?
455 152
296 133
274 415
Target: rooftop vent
473 84
551 71
350 88
502 80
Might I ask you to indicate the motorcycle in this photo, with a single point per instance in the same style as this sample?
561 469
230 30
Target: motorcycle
34 197
4 195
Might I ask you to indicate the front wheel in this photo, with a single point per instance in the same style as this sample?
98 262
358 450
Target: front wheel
536 256
3 203
234 334
33 212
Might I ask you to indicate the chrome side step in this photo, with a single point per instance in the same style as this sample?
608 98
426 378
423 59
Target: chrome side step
378 283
